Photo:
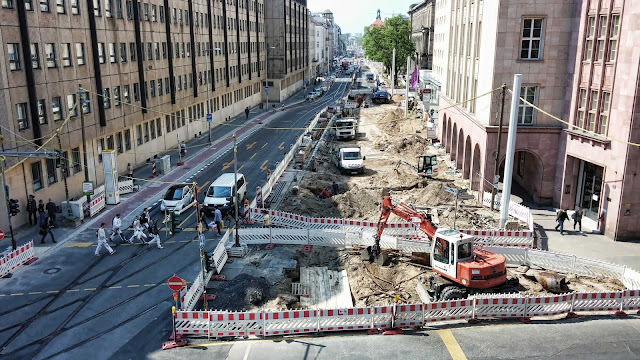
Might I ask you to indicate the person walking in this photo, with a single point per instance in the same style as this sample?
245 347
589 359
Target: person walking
40 205
203 217
116 225
217 219
577 219
51 210
183 149
560 218
42 217
145 218
334 188
129 171
32 210
102 241
155 234
138 231
46 230
267 220
246 112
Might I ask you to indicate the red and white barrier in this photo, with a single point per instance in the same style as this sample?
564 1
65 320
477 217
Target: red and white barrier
290 322
408 315
16 258
549 305
259 197
236 324
500 307
449 310
344 319
596 301
98 201
192 323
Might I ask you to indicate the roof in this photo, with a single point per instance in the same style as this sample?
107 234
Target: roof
378 22
327 12
225 179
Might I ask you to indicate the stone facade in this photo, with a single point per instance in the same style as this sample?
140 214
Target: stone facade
422 18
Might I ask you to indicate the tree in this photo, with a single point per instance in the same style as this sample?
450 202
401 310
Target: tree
378 42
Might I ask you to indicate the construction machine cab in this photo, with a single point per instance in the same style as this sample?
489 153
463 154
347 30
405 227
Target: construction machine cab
427 165
449 247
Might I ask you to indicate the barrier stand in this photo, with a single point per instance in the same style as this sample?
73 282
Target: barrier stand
153 171
175 342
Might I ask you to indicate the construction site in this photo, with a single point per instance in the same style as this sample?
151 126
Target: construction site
391 146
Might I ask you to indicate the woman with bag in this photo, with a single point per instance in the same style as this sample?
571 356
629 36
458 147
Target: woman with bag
46 230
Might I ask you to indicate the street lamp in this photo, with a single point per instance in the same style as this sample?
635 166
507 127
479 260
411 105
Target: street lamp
209 78
266 75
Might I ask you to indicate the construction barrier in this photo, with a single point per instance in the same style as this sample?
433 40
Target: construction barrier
125 187
16 258
518 211
97 201
494 306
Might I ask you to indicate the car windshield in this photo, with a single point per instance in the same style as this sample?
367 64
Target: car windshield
219 191
174 194
464 250
344 124
352 155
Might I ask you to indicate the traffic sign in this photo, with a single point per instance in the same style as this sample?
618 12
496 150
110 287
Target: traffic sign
466 197
209 117
1 234
266 89
201 241
175 283
453 191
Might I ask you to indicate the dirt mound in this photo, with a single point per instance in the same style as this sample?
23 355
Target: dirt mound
242 292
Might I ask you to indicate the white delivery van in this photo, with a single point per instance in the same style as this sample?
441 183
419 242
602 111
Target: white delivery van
219 193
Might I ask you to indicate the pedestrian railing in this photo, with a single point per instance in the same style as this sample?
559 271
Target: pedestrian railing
16 258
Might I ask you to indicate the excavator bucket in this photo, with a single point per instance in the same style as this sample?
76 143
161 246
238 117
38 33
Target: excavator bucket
378 257
552 281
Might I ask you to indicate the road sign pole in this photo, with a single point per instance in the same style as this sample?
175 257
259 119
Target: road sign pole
455 212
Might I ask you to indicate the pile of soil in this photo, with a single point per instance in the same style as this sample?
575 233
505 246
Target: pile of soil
244 292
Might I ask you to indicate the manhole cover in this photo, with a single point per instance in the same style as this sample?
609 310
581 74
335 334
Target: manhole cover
52 271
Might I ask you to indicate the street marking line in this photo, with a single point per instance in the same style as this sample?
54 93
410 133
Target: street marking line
35 293
115 287
252 156
452 344
240 168
263 167
249 146
17 294
169 242
90 289
73 290
184 241
133 286
246 353
264 145
53 291
203 186
148 285
225 166
79 244
281 146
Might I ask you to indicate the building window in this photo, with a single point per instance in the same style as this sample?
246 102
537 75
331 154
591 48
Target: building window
35 56
112 53
167 85
152 125
51 171
14 57
50 49
21 116
100 149
146 12
156 47
101 53
160 88
604 113
106 98
107 8
110 145
136 92
42 112
71 105
127 140
116 95
119 143
123 52
125 94
531 48
36 175
154 13
139 134
27 5
64 164
119 9
56 107
152 88
7 4
149 51
159 127
80 53
129 10
526 111
613 38
66 54
75 7
44 5
132 50
96 8
164 50
75 158
161 14
86 102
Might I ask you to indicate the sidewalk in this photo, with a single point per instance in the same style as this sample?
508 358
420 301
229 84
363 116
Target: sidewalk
132 204
586 244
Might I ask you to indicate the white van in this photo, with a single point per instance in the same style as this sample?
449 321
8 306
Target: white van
219 193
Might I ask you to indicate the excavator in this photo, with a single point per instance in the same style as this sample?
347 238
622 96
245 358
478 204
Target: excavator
427 165
460 269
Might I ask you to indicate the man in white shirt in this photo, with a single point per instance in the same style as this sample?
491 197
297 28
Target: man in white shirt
138 231
102 241
117 228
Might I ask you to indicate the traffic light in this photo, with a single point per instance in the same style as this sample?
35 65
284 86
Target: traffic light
14 207
174 223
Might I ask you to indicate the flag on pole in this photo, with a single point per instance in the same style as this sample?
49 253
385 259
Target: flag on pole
414 78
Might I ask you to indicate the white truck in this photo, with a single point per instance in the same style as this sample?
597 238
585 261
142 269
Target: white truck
348 159
346 128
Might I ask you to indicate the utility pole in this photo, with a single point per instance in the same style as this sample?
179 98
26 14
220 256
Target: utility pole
209 79
496 172
406 89
393 71
235 181
84 139
203 254
511 147
64 177
266 75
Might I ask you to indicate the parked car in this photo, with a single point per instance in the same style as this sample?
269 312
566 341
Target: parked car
311 96
177 198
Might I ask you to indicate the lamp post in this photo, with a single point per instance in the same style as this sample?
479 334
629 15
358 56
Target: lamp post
235 181
266 75
209 79
81 101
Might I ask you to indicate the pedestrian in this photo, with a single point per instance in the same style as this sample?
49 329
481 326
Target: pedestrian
155 234
230 221
273 106
560 218
183 149
267 221
32 209
203 216
334 188
102 241
46 230
51 210
40 205
324 193
138 231
145 218
42 217
130 171
246 111
116 225
217 219
577 219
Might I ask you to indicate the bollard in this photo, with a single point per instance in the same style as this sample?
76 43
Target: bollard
258 197
153 171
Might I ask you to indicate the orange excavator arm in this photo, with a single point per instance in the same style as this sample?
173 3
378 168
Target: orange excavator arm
406 213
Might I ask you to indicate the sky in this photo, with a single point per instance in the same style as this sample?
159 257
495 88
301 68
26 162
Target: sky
353 15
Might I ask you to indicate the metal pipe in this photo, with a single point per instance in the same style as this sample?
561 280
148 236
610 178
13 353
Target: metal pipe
84 139
496 170
64 177
406 88
511 147
235 182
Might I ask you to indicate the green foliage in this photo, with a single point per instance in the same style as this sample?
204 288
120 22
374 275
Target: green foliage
378 42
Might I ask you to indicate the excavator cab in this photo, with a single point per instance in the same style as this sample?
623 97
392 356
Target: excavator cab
449 247
427 165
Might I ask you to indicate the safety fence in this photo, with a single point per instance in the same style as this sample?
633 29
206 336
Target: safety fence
518 211
406 230
16 258
125 187
288 322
